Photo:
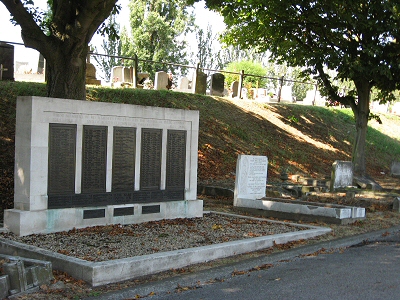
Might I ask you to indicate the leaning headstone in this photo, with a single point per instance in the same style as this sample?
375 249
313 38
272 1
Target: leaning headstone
251 177
234 88
342 174
395 169
161 81
6 62
217 84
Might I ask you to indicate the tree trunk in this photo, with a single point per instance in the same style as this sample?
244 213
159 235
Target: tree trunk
361 114
66 73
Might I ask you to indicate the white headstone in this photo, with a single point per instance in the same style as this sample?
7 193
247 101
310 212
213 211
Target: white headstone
161 81
342 174
251 177
286 94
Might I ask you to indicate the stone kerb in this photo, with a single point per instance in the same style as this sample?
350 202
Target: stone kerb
251 177
82 163
342 174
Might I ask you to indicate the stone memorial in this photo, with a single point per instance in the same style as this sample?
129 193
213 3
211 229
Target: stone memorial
183 83
342 175
161 81
217 84
251 177
395 169
235 89
6 61
199 83
286 94
82 163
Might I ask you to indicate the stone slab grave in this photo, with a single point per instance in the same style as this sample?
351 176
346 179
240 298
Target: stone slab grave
82 163
250 192
23 275
117 270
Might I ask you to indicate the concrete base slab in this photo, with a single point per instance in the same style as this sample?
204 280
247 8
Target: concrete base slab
101 273
301 210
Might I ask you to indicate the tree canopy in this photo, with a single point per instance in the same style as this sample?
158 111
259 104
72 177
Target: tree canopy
359 40
62 35
156 28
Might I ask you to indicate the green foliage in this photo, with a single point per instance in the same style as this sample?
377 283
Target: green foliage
156 28
249 67
206 54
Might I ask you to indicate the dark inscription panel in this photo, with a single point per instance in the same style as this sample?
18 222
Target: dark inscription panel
62 145
150 209
150 163
94 159
176 159
123 173
123 211
94 213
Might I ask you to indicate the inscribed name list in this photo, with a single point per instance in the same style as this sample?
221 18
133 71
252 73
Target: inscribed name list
251 176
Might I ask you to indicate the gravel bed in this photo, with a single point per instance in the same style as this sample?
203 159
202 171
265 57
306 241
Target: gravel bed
110 242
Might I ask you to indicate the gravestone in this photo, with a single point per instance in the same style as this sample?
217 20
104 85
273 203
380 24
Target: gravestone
251 177
161 81
83 163
217 84
117 74
6 62
395 169
199 83
286 94
342 174
184 85
235 88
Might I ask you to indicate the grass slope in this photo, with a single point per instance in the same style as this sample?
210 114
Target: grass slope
302 139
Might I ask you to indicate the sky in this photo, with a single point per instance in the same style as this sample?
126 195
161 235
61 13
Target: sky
11 33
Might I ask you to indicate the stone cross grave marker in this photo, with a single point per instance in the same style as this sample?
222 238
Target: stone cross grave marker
251 177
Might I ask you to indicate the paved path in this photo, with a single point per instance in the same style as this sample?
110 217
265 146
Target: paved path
366 271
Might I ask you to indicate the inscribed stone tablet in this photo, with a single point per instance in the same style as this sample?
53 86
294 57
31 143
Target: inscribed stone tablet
342 174
176 159
150 163
251 176
62 145
123 171
94 159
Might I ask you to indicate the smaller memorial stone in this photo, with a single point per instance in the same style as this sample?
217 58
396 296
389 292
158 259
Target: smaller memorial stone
234 88
217 84
161 81
251 177
395 169
342 174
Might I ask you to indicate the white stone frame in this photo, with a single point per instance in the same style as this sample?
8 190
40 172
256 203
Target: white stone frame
34 114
